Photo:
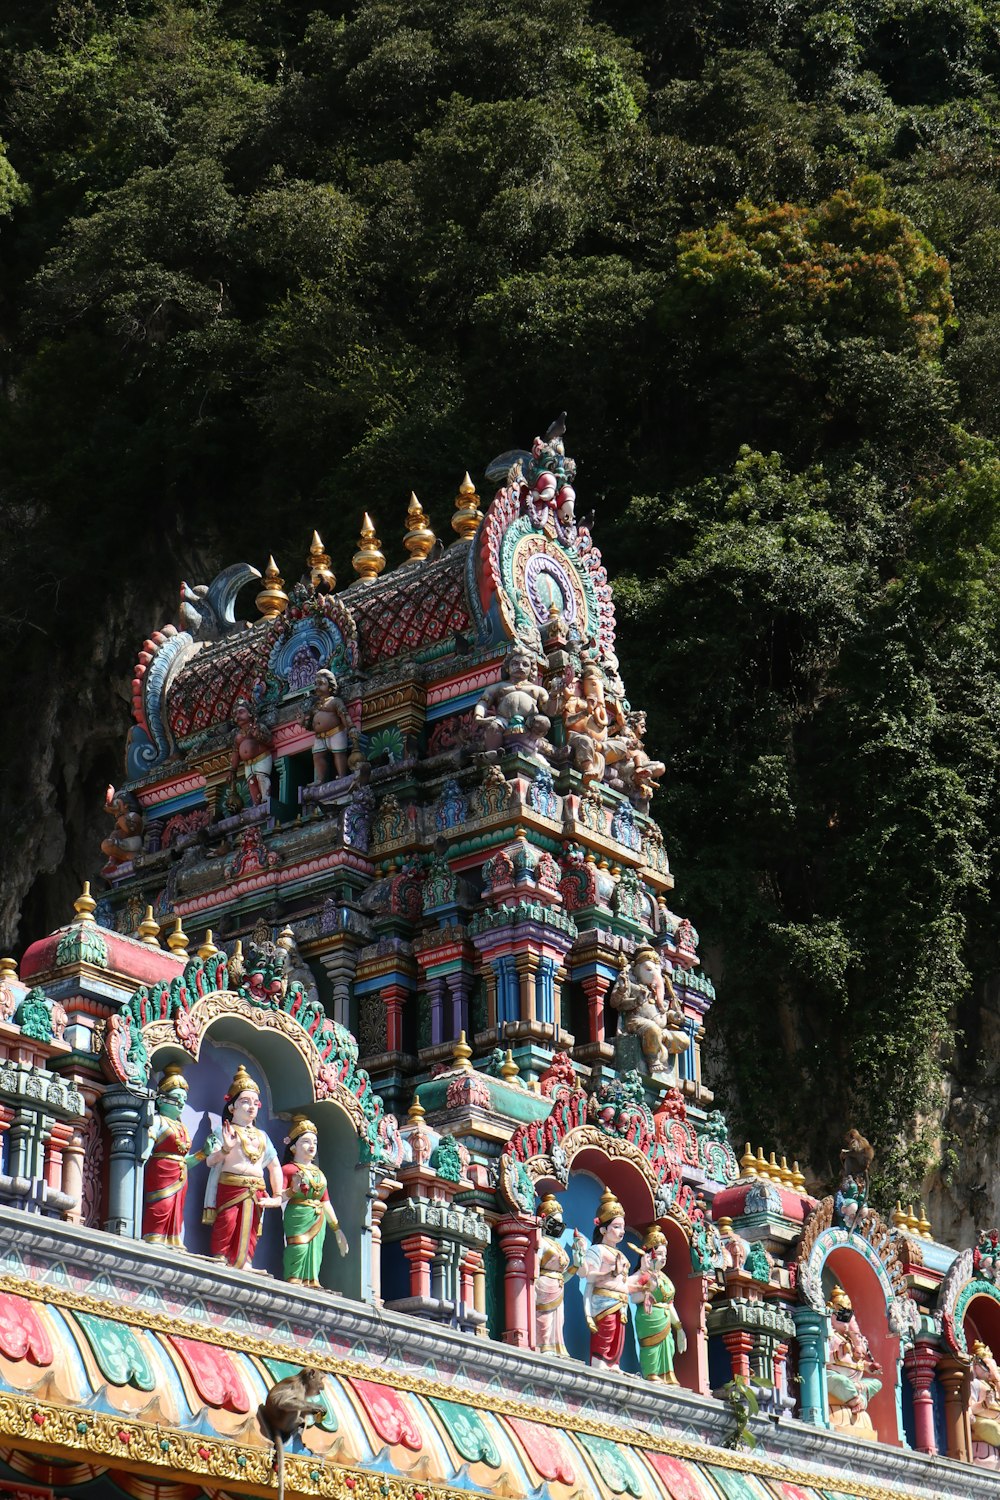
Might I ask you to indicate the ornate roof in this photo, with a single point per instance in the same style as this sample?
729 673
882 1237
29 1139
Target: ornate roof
417 605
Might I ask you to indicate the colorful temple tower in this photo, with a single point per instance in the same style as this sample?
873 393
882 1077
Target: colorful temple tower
378 1056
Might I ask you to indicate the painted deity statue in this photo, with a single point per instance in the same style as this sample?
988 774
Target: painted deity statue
253 749
605 1270
585 717
851 1372
237 1195
308 1210
645 998
168 1156
629 766
984 1407
125 839
657 1323
516 705
556 1266
328 719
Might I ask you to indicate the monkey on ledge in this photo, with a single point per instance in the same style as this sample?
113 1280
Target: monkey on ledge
288 1406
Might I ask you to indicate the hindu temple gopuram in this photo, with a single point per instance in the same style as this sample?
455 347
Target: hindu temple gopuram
354 1132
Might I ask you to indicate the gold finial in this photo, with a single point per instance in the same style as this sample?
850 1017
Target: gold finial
369 560
467 513
509 1071
207 948
286 939
725 1224
418 539
415 1114
898 1216
321 574
8 969
149 929
773 1170
924 1224
786 1172
85 905
798 1179
272 598
762 1164
461 1053
177 940
912 1222
748 1166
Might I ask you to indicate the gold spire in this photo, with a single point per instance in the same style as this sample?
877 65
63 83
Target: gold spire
416 1111
272 598
149 929
924 1225
85 905
321 574
461 1053
369 560
748 1164
418 539
509 1071
798 1180
177 940
8 969
467 513
207 948
898 1216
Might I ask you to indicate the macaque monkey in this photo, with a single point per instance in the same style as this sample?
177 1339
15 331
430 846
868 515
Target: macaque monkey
286 1409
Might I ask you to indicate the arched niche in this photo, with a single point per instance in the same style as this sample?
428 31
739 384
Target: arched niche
226 1031
865 1282
980 1316
627 1175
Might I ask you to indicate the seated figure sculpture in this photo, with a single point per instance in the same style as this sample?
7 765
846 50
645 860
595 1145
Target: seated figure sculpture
514 707
236 1195
657 1323
644 996
125 839
984 1407
605 1271
851 1371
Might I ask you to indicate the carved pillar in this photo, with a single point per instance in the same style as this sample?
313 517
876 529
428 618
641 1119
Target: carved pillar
126 1114
378 1199
518 1242
920 1364
490 978
436 990
394 996
479 1296
595 987
23 1149
420 1251
471 1260
58 1138
811 1328
72 1174
526 965
954 1377
740 1345
458 990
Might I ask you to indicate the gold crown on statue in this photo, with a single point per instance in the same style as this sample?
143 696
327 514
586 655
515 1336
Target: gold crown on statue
654 1238
839 1298
550 1207
241 1084
300 1126
173 1078
609 1208
981 1350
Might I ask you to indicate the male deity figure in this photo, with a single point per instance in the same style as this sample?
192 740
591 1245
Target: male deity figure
516 705
125 839
605 1270
253 748
236 1195
168 1156
851 1371
327 717
648 1005
556 1266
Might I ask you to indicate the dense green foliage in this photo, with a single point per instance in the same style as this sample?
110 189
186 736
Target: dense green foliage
266 264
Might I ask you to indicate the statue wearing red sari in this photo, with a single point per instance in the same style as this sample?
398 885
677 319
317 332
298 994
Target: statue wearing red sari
168 1156
237 1194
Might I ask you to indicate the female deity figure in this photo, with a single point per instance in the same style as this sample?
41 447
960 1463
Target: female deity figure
308 1210
556 1266
168 1156
236 1195
984 1407
657 1324
605 1269
850 1370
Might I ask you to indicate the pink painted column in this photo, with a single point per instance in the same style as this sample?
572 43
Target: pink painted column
595 987
420 1251
920 1363
519 1244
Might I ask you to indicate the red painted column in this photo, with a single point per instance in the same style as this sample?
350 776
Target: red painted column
519 1244
394 995
595 987
420 1251
920 1363
740 1346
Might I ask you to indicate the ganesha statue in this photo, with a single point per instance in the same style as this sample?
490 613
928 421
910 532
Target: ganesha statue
851 1371
645 999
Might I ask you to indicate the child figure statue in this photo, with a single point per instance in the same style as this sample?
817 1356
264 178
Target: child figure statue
308 1210
657 1324
236 1195
168 1156
605 1270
